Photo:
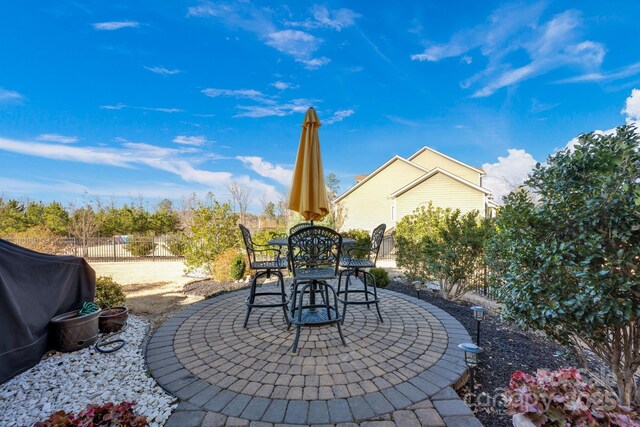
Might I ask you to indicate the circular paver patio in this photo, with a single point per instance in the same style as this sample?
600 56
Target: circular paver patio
207 359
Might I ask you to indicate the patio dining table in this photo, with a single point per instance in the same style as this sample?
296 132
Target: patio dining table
312 315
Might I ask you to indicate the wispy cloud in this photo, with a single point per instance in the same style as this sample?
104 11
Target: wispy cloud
267 169
283 85
190 140
549 45
10 95
115 25
163 71
605 76
294 106
299 45
405 122
54 137
129 155
323 17
252 94
338 116
120 106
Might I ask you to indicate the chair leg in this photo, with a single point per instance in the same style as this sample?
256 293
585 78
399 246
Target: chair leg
294 348
346 297
375 296
292 309
366 289
251 299
340 332
284 298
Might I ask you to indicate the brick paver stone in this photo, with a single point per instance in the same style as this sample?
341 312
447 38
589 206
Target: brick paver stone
297 411
339 411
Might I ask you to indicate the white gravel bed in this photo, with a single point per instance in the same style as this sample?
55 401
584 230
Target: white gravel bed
69 381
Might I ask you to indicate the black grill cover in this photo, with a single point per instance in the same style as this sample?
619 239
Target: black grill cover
35 287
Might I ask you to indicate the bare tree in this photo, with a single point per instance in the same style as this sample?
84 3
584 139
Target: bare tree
84 224
240 194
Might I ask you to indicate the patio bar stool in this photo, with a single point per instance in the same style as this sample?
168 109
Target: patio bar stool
265 261
314 253
355 264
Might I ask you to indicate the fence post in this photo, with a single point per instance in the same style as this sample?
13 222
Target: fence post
114 248
153 247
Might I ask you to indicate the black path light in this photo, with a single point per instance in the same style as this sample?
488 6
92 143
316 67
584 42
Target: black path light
471 352
478 314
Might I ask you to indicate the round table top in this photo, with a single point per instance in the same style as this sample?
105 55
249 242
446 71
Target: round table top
284 241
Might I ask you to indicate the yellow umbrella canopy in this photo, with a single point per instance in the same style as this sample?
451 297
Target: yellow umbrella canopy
308 194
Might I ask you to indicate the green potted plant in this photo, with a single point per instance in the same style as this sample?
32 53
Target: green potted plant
110 295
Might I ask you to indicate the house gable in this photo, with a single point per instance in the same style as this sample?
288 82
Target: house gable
444 190
368 203
429 159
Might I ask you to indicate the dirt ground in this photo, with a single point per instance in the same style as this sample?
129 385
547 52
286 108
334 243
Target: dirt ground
153 289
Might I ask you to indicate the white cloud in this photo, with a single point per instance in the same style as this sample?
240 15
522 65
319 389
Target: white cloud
285 109
54 137
323 17
10 95
617 74
508 173
283 85
190 140
252 94
466 59
267 169
632 107
339 116
115 25
298 44
163 71
517 28
120 106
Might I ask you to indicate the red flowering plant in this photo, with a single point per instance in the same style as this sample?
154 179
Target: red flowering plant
107 415
562 398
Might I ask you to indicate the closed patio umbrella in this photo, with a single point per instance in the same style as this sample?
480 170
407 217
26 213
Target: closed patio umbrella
308 194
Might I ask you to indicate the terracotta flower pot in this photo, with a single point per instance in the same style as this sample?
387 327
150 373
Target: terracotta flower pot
112 319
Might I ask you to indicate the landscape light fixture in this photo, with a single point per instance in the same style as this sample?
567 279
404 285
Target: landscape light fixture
478 314
471 352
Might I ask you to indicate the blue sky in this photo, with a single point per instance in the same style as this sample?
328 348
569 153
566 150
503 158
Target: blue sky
162 99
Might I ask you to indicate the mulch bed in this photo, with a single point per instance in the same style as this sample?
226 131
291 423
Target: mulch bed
506 350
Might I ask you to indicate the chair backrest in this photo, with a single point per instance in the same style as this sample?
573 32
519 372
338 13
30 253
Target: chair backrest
248 243
376 241
315 247
299 226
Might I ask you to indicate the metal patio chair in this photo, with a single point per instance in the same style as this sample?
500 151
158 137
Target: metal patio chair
314 254
356 262
265 261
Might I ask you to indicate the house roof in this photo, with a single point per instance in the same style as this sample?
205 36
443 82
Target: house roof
377 171
431 173
425 148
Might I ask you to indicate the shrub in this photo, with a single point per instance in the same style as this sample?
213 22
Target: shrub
443 245
381 276
567 264
562 398
176 244
109 293
40 238
261 237
223 266
238 267
140 245
363 240
107 415
214 230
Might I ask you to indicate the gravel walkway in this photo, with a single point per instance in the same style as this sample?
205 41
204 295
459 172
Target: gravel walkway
69 381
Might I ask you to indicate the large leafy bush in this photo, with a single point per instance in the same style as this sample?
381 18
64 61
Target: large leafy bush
140 246
569 263
443 245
